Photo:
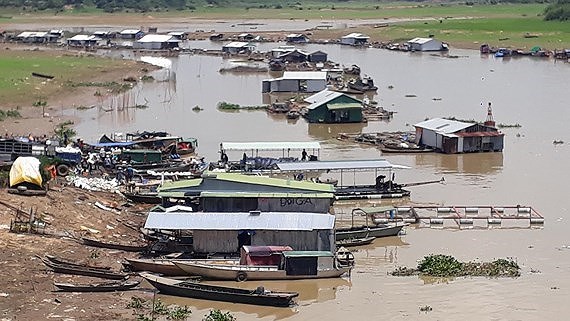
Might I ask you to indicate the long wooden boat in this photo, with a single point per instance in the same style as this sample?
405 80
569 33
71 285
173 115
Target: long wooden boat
76 270
145 198
57 260
253 272
167 267
114 246
394 150
364 231
348 242
97 287
369 192
195 290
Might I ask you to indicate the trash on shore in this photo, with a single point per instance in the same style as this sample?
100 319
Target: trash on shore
440 265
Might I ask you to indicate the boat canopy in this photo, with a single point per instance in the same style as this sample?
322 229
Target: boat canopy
339 165
255 220
227 146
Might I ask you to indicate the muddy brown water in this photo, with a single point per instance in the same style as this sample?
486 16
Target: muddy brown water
530 171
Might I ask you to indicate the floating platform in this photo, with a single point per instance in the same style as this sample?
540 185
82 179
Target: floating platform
464 217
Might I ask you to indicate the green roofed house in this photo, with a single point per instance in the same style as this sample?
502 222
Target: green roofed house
232 192
333 107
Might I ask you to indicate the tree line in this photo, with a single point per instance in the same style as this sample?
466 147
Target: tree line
558 11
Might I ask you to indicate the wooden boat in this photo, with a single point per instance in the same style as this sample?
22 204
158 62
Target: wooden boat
114 246
37 74
195 290
57 260
166 266
294 265
405 150
86 271
355 241
144 198
97 287
367 231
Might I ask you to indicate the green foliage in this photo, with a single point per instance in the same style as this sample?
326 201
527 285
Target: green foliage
113 86
141 305
217 315
160 308
137 303
440 265
229 106
63 130
40 103
12 113
179 313
558 11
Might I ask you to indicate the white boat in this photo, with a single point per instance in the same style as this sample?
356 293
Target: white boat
293 265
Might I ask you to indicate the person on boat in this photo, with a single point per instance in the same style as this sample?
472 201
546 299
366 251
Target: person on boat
380 181
224 157
304 155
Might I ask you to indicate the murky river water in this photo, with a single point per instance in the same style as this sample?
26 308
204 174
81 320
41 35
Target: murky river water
530 171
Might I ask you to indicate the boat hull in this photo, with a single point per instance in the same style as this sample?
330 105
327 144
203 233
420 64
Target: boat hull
123 286
364 232
244 272
165 266
218 293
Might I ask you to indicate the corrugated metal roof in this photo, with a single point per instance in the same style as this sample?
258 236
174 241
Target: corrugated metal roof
305 75
480 134
356 35
84 38
238 44
265 195
158 38
176 33
227 146
420 41
130 31
339 165
295 35
443 126
344 106
276 182
179 184
323 96
27 34
280 221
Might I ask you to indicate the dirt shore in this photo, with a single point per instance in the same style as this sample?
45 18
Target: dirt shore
27 288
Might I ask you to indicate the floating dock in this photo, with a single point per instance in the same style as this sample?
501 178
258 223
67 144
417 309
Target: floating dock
463 216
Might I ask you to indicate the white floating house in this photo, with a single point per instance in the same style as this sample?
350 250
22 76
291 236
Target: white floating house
156 42
238 47
296 81
426 44
131 34
296 38
83 41
354 39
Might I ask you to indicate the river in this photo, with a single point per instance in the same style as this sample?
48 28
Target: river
530 171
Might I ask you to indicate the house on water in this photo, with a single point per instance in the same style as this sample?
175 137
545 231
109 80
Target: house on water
296 81
333 107
318 56
131 34
354 39
451 137
231 192
296 38
237 47
227 232
426 44
156 42
83 41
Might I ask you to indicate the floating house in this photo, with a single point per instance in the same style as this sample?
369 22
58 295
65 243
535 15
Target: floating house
180 35
333 107
237 47
295 55
426 44
83 41
246 37
354 39
281 50
296 81
131 34
228 232
104 34
216 36
156 42
450 136
318 56
296 38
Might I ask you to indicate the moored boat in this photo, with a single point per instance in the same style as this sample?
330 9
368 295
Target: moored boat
57 260
348 242
166 266
360 232
85 271
293 265
195 290
97 287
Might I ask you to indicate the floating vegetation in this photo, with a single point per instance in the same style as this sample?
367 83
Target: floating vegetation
130 79
557 142
440 265
410 96
139 106
12 113
426 308
113 86
147 78
229 106
390 87
197 108
82 107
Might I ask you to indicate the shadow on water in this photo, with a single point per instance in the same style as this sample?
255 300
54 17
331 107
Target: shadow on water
476 163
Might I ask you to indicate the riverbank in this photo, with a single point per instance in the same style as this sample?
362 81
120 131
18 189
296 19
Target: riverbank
40 83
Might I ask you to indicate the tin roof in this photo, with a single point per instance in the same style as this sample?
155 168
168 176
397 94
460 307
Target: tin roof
356 36
480 134
158 38
262 250
344 106
296 35
269 145
276 182
238 44
84 38
280 221
420 41
339 165
130 31
308 75
323 96
179 184
443 126
265 195
307 254
27 34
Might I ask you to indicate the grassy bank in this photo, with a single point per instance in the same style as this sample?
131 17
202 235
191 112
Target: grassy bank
19 87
